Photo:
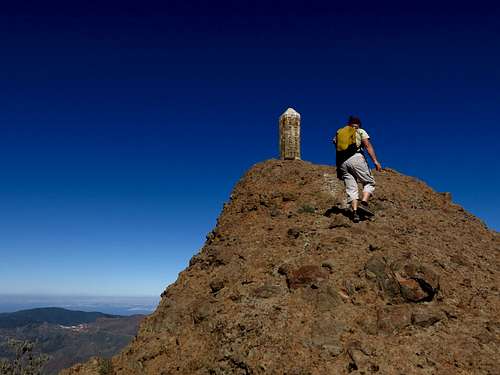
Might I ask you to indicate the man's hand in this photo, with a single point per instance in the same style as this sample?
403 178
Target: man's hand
378 167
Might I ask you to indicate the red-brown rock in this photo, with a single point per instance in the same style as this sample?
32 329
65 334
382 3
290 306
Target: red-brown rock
306 276
280 287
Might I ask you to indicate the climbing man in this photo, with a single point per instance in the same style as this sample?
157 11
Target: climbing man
352 166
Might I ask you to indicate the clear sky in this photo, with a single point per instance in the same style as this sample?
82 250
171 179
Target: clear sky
124 125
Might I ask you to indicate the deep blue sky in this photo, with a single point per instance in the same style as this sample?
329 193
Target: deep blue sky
124 125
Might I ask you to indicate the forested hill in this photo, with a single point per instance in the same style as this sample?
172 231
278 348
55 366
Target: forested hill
51 315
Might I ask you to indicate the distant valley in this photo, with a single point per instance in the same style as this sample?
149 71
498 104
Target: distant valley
67 336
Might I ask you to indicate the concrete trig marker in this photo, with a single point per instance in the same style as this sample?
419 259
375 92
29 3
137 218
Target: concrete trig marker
289 126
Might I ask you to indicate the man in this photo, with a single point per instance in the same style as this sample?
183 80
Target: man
352 167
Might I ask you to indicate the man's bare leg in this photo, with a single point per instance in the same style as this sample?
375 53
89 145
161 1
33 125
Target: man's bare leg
365 196
354 205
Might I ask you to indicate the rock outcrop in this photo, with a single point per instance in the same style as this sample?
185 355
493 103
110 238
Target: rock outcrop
286 284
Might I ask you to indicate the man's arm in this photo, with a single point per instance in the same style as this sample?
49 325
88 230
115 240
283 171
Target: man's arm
369 148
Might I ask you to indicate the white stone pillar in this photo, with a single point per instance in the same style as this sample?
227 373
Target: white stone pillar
289 125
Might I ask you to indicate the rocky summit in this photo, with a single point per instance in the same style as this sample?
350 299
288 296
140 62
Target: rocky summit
287 284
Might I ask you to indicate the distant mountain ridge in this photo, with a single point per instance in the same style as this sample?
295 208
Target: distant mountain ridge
51 315
66 336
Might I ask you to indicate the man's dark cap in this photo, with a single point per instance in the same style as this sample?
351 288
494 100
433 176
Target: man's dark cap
354 120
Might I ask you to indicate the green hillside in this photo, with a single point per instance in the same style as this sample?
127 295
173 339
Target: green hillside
51 315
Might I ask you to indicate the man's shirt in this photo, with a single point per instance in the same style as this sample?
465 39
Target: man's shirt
361 135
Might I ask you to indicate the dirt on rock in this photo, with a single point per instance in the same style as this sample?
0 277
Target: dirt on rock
287 284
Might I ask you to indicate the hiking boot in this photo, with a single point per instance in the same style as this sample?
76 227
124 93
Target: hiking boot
355 217
364 210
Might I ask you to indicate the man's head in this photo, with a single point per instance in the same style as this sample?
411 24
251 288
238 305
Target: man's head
354 121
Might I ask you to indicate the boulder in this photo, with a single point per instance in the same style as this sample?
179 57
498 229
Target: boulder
306 276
